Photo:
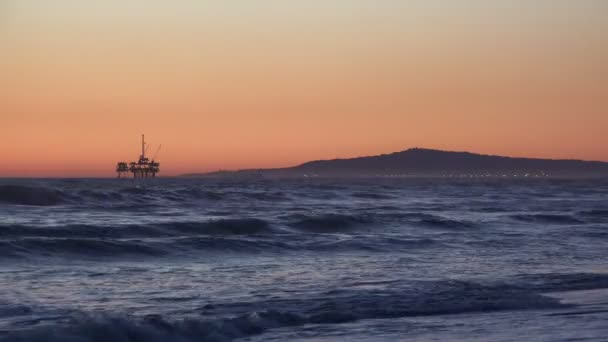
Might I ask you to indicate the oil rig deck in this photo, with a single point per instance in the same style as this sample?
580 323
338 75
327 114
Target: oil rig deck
143 168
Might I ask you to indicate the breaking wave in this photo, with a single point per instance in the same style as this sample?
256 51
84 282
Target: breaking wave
335 307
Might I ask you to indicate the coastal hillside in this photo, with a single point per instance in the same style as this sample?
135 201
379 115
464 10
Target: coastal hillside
419 162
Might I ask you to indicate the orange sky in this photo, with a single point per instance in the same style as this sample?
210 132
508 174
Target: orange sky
228 85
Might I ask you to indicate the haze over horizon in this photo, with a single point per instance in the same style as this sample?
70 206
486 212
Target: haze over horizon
226 85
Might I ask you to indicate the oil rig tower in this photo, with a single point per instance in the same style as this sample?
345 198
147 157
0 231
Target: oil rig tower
143 168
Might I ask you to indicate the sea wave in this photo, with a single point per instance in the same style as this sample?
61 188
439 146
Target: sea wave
76 246
30 195
87 248
595 215
124 197
446 223
197 193
10 310
245 226
557 282
371 195
329 223
253 318
547 218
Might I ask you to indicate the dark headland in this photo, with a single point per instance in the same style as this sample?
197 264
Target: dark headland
419 162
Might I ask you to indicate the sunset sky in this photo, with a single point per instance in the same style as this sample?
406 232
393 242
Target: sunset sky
270 83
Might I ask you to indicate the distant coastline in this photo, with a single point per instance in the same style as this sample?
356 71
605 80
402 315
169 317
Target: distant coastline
421 162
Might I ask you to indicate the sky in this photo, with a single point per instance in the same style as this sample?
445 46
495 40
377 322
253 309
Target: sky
273 83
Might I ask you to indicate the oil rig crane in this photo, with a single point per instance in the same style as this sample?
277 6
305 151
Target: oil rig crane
143 168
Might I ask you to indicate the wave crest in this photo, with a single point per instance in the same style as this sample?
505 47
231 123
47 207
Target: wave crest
248 226
446 223
30 195
336 307
330 223
547 218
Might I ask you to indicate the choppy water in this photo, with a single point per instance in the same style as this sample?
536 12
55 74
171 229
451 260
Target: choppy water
376 260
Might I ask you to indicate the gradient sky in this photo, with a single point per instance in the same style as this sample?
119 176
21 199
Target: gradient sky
270 83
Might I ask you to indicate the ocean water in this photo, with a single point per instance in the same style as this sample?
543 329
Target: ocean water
303 260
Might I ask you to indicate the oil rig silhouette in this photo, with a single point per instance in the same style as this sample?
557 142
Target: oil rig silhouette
143 168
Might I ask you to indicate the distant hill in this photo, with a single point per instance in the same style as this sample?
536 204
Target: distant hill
418 162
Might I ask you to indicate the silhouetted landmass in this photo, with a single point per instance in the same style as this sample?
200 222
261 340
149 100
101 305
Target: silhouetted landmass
420 162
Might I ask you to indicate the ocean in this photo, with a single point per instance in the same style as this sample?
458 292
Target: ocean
303 260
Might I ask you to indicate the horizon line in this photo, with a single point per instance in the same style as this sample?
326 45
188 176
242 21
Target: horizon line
312 161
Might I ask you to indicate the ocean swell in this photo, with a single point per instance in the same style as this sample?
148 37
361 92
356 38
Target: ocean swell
220 227
76 247
547 218
167 229
67 247
446 223
30 195
330 223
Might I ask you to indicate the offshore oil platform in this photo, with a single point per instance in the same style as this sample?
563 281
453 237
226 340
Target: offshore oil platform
143 168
